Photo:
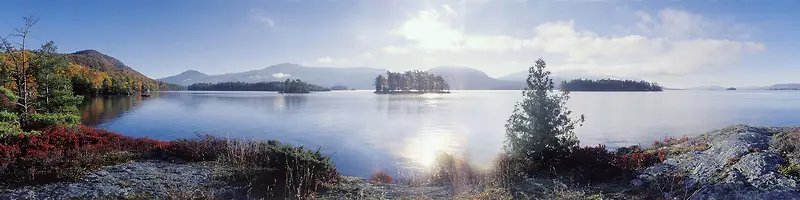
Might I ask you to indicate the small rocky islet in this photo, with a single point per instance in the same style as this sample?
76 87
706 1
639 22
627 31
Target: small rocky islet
740 162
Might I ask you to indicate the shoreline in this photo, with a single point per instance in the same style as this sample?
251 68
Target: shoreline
705 164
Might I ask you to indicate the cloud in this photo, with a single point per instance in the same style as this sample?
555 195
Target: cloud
326 60
332 61
635 54
281 75
669 42
367 54
449 9
260 15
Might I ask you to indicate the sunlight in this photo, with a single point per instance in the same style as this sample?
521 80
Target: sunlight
422 150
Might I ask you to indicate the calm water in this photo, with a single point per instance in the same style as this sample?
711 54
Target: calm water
394 133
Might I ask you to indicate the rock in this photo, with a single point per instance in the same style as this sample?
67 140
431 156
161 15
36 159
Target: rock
728 169
637 183
142 177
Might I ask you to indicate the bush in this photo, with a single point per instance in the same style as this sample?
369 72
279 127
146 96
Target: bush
790 170
380 177
589 164
637 160
42 120
6 116
67 152
202 148
788 145
264 168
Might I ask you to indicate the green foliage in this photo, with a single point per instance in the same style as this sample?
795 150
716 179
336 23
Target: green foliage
540 131
6 116
10 129
43 120
609 85
790 170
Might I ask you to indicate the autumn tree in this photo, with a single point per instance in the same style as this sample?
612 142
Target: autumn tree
34 86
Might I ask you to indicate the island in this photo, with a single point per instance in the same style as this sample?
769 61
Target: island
340 87
288 86
410 82
609 85
730 88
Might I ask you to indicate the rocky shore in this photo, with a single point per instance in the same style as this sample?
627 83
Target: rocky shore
738 162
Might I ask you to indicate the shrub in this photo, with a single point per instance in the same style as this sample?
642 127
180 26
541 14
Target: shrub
272 169
6 116
202 148
42 120
669 141
67 152
380 177
635 161
790 170
788 145
589 164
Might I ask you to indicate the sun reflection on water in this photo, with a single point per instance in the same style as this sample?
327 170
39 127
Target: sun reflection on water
422 149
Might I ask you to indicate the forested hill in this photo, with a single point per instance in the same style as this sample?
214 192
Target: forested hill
288 86
609 85
93 72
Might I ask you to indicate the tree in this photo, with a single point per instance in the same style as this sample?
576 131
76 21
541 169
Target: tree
34 83
540 130
379 83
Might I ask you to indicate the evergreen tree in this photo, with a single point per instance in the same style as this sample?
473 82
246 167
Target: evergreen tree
540 129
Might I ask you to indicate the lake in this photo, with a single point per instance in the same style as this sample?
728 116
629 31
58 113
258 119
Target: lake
366 133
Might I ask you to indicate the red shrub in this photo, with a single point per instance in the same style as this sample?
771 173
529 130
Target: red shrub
63 152
380 177
635 161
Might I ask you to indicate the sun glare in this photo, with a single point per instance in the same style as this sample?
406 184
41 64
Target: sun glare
422 150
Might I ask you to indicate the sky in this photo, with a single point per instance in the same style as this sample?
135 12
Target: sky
675 43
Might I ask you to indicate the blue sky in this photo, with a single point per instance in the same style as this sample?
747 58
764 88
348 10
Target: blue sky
676 43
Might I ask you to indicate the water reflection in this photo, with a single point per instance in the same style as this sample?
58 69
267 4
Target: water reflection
98 110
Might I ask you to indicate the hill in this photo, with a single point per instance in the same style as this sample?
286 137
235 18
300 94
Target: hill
186 78
465 78
93 72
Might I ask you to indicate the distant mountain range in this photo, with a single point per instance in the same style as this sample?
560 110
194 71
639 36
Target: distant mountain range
459 78
783 86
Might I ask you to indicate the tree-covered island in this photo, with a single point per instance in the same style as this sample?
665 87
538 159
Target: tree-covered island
410 82
288 86
609 85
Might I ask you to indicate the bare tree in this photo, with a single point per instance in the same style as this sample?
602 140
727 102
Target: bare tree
16 52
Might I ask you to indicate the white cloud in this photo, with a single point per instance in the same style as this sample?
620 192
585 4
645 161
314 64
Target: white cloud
670 42
326 60
260 15
367 54
332 61
281 75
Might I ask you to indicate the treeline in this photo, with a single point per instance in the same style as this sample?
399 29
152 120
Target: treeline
609 85
86 81
288 86
410 81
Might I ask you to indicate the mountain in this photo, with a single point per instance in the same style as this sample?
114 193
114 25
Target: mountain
101 62
459 78
465 78
185 77
784 86
356 77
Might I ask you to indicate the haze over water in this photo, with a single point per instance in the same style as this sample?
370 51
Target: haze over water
366 133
